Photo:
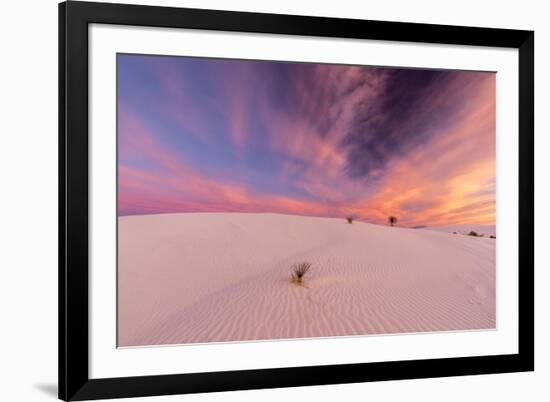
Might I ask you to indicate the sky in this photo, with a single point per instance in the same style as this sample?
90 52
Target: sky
219 135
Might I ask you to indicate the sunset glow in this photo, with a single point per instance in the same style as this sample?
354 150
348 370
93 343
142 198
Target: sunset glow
211 135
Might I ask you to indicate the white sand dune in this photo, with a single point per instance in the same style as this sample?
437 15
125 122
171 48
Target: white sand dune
209 277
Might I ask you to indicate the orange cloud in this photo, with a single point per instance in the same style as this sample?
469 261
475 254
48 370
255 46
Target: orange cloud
449 181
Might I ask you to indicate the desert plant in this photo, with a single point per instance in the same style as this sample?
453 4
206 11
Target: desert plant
472 233
392 220
298 272
492 237
349 219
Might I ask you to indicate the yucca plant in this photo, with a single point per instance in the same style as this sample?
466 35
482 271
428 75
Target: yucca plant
349 219
299 271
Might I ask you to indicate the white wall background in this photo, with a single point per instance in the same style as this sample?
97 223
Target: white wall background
28 199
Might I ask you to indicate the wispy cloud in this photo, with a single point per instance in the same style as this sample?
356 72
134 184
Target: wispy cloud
308 139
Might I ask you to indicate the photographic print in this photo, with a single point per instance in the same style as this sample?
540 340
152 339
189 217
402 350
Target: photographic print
270 200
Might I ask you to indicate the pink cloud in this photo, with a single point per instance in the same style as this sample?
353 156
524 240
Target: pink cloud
175 186
181 107
447 180
451 178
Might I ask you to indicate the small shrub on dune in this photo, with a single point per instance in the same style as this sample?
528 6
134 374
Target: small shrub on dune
299 271
474 234
349 219
392 220
492 237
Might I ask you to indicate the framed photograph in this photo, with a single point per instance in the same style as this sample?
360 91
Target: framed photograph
258 201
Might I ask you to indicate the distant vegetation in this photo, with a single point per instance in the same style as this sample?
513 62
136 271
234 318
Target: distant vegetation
392 220
349 219
299 271
476 234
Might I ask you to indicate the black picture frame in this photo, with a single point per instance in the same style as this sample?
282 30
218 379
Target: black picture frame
74 381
